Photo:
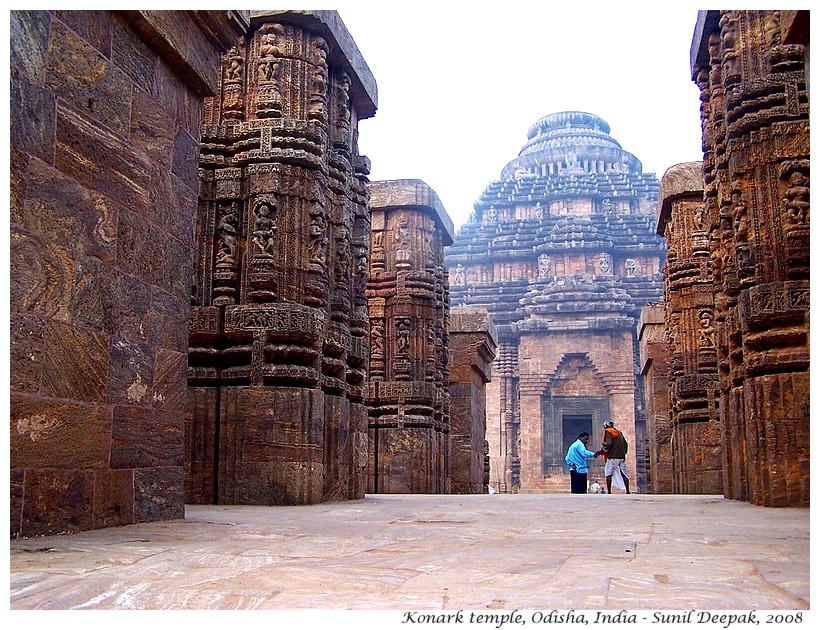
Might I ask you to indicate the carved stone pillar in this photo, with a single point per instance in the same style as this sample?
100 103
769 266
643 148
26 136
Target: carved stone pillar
751 69
654 363
408 301
278 337
473 343
690 321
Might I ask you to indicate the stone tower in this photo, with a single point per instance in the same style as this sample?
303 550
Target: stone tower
278 328
563 254
407 396
752 71
695 439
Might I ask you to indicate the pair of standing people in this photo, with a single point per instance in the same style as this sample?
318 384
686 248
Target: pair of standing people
614 448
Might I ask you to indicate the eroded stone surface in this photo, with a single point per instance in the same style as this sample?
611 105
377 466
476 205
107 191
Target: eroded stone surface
756 213
278 341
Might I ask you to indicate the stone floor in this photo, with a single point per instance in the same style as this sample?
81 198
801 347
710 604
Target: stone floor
489 553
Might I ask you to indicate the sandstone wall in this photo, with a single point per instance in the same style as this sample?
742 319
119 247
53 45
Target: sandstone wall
106 110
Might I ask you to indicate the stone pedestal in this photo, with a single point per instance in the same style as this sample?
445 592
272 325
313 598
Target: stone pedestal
473 343
407 292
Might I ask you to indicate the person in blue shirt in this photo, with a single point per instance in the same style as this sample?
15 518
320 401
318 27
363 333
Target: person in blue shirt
577 456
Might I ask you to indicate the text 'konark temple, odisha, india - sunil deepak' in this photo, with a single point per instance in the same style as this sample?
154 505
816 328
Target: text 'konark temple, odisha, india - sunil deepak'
210 301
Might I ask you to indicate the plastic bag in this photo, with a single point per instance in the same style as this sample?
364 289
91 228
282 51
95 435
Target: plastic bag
618 480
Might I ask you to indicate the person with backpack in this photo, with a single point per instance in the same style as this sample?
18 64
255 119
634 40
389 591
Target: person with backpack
614 448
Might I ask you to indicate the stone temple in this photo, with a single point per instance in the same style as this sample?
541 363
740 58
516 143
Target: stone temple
562 252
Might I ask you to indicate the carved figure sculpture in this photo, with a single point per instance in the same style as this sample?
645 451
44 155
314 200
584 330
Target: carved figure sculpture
264 229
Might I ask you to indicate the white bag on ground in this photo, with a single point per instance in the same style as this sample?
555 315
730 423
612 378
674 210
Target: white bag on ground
618 480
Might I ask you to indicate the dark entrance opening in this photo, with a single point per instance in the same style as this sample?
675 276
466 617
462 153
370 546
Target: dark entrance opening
572 426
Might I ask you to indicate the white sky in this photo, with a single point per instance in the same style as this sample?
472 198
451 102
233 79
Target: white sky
460 83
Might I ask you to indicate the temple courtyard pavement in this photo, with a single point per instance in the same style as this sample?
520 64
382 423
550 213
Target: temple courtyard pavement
405 553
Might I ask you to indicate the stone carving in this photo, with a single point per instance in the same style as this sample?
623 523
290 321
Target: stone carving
796 199
605 261
755 170
318 236
341 121
264 229
318 93
631 267
270 65
544 266
227 234
458 278
282 211
407 398
233 100
707 331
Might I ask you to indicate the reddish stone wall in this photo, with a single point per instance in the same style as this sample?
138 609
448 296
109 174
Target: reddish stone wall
106 109
751 68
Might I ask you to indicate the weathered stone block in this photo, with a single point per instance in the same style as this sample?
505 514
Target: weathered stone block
17 479
158 494
45 434
152 131
132 55
27 339
84 150
32 117
18 163
169 379
113 498
130 373
57 501
143 437
42 276
87 81
92 26
166 322
75 363
29 42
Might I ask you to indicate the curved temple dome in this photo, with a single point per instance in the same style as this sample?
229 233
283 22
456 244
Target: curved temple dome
574 141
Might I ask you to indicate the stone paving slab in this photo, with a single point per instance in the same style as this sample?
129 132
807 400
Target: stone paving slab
432 552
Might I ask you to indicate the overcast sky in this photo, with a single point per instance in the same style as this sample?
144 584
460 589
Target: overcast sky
460 83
